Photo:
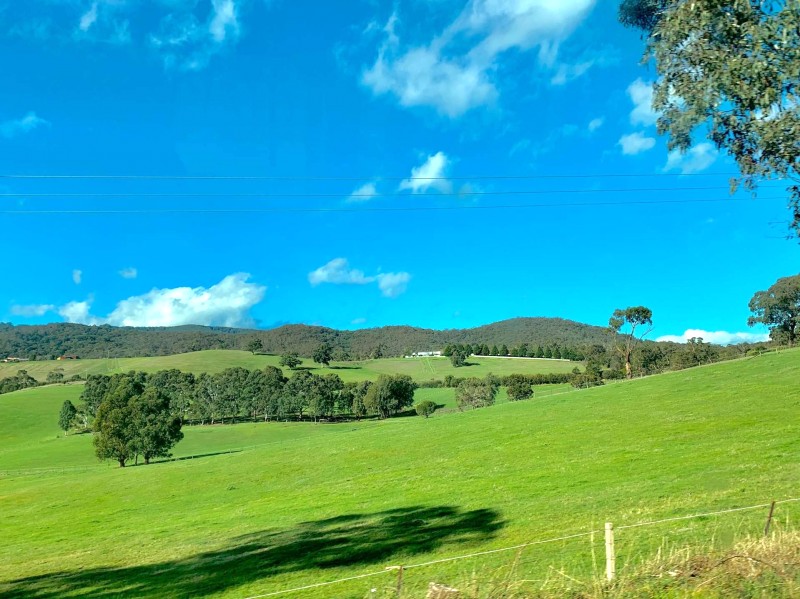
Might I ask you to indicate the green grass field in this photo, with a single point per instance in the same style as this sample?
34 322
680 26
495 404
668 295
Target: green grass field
303 503
211 361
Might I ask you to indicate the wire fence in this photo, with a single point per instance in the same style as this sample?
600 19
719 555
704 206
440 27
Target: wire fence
402 568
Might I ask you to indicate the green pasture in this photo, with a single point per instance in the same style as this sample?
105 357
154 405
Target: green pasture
302 503
211 361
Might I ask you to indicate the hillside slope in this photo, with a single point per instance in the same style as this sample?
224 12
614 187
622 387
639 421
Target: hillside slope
211 361
302 503
54 340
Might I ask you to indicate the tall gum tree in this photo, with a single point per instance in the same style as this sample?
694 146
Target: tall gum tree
624 325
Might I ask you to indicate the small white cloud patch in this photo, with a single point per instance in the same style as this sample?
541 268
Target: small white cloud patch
77 276
224 20
88 18
365 193
595 124
32 310
717 337
431 174
78 312
21 126
641 94
393 284
636 143
698 158
338 272
129 273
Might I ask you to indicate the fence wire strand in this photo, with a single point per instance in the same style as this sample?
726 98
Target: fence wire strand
517 547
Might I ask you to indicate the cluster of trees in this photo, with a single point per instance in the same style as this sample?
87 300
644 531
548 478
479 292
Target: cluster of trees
474 393
21 380
453 382
132 416
554 350
241 394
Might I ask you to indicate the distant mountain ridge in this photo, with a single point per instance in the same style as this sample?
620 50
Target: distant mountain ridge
53 340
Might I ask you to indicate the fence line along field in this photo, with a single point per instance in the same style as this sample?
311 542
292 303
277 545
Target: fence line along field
297 503
212 361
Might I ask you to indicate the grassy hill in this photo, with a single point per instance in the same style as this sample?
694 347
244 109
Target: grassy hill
54 340
302 503
420 369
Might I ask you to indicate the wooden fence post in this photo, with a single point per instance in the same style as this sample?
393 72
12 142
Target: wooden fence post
611 562
769 519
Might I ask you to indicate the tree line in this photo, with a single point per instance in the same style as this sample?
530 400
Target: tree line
238 394
23 380
523 350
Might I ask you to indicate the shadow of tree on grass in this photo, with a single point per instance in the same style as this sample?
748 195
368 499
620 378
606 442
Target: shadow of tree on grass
349 540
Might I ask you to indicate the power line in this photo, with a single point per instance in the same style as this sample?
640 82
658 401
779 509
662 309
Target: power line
280 209
350 178
355 195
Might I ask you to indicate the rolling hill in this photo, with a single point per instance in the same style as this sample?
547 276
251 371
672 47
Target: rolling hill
266 507
212 361
53 340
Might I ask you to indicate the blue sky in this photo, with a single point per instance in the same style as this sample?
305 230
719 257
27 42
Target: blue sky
375 135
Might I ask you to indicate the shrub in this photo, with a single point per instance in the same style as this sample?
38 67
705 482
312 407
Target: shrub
425 408
519 388
475 393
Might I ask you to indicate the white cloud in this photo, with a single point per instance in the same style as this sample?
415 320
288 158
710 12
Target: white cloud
227 303
78 312
453 71
431 174
224 20
569 72
358 321
697 158
26 124
393 284
636 143
421 77
718 337
32 310
186 34
595 124
365 193
641 94
77 276
88 18
338 272
129 273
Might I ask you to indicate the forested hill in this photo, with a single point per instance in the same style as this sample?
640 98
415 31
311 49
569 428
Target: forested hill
53 340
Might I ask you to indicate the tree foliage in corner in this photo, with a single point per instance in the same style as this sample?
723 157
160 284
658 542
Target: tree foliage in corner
730 68
623 325
778 308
